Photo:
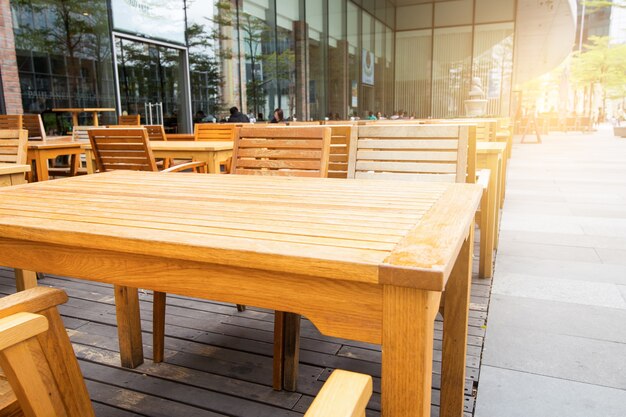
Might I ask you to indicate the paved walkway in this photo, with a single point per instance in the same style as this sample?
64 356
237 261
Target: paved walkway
556 332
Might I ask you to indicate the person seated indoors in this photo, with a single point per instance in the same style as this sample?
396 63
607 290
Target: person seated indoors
237 117
279 116
370 116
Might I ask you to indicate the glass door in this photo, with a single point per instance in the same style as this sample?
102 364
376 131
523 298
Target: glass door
151 83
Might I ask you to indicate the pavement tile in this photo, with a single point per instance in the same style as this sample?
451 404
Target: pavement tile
568 357
561 318
506 393
598 294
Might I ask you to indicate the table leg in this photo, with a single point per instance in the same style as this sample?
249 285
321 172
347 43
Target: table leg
25 279
485 264
74 119
128 326
74 164
455 323
91 168
158 326
95 118
407 345
42 166
286 350
213 164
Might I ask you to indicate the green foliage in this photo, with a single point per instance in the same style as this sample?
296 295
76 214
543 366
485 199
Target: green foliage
601 64
593 5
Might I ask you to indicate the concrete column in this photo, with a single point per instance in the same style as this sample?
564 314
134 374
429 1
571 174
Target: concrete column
301 49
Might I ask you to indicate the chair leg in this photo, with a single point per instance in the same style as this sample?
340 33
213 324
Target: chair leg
158 326
241 308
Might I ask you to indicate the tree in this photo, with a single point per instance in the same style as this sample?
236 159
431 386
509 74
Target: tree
601 65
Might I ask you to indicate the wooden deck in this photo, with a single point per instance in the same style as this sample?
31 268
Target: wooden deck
218 362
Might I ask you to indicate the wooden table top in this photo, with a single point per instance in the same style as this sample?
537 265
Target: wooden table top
490 147
81 109
381 232
54 143
184 145
6 169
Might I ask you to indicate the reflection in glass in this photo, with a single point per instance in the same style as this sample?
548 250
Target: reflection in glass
64 58
412 86
493 64
452 56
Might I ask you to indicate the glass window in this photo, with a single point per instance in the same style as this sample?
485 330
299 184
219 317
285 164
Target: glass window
211 37
315 16
494 10
413 71
451 70
453 13
290 47
493 64
258 49
70 54
354 58
419 16
337 91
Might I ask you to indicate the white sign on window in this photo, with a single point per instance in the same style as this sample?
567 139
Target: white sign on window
157 19
367 76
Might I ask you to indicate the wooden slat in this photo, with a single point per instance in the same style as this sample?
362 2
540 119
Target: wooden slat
407 156
406 176
370 143
13 146
410 167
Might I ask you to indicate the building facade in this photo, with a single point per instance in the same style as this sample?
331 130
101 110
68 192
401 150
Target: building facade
182 61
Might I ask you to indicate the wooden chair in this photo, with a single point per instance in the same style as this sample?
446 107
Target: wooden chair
339 150
410 152
129 120
436 153
128 149
14 146
34 125
10 121
214 131
157 133
43 377
283 151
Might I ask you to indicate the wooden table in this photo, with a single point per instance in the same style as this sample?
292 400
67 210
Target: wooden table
491 156
364 260
75 112
40 151
213 153
15 174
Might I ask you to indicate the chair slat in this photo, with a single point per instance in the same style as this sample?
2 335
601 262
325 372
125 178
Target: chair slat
13 146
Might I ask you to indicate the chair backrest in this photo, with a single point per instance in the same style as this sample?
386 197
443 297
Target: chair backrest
304 123
13 146
129 120
155 132
81 133
410 152
214 131
122 149
37 357
286 151
34 125
10 121
339 150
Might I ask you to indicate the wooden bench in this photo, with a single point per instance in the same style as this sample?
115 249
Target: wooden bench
43 377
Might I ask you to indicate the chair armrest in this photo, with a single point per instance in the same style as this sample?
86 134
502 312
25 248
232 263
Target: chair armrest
345 394
33 300
482 178
187 165
19 327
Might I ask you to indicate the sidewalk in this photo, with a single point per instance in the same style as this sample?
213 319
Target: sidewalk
556 332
